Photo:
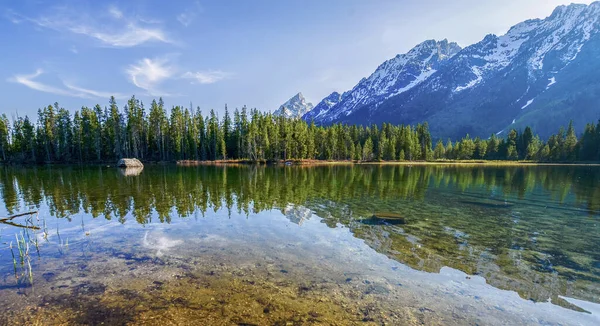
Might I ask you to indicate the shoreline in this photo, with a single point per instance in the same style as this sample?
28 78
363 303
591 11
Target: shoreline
307 163
407 163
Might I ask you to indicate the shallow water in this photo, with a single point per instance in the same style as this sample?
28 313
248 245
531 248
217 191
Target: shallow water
300 245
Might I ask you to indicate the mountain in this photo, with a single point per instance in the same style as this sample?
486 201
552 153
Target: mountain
323 106
295 107
541 73
391 78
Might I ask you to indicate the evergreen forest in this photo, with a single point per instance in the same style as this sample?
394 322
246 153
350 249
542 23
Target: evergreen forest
106 134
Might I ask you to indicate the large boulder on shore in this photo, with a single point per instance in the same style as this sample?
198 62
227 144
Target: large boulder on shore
130 163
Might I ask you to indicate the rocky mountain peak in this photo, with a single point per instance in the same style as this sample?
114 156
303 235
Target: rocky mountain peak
295 107
393 77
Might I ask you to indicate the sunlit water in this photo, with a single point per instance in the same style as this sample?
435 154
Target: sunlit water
300 245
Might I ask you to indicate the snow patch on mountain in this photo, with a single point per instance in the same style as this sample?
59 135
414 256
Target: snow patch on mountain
477 80
421 78
524 94
527 104
552 81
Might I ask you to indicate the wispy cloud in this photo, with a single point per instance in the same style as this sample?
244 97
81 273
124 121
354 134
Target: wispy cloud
69 90
148 73
189 14
129 36
186 18
115 12
28 80
120 31
13 17
206 77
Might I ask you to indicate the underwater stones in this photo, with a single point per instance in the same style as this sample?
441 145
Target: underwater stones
130 163
487 204
89 288
376 289
388 217
49 276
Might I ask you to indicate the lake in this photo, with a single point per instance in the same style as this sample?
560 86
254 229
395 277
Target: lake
296 245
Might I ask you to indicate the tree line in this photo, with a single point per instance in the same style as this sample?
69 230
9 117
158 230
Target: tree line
151 134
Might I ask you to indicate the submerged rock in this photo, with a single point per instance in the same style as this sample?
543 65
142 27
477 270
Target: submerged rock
392 218
487 204
129 163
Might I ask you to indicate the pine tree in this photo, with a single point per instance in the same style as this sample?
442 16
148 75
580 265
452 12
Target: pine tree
589 144
202 138
401 156
226 142
569 150
368 150
390 150
449 150
114 128
524 141
511 145
492 148
4 138
466 148
545 154
480 148
439 152
176 133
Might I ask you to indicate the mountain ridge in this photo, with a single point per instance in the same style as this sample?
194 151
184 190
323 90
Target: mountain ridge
499 83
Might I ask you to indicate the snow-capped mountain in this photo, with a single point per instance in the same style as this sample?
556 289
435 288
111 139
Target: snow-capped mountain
323 106
295 107
391 78
541 73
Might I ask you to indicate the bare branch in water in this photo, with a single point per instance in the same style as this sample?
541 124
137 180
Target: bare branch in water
31 227
17 215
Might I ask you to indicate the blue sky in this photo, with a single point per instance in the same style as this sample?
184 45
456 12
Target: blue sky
212 53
